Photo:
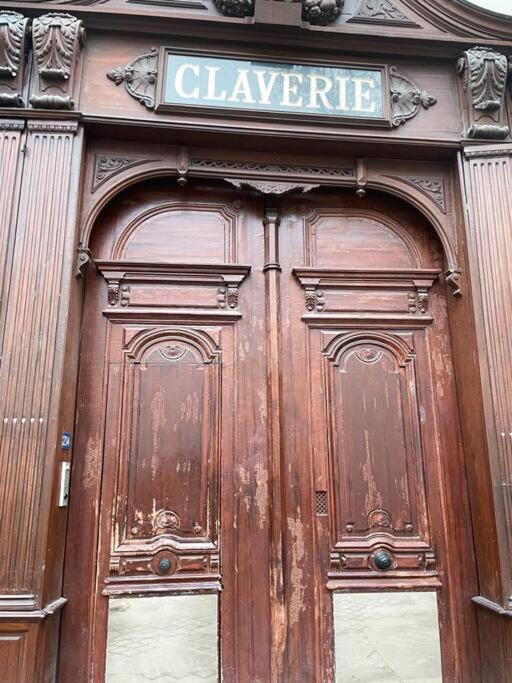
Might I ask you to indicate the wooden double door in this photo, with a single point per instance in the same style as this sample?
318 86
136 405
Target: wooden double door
267 416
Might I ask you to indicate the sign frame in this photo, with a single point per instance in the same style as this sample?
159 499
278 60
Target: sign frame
289 117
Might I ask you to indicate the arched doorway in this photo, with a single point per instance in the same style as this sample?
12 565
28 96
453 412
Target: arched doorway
268 479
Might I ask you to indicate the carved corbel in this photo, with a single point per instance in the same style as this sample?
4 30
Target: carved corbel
139 77
361 178
406 98
182 166
321 12
57 40
84 257
483 76
452 277
235 8
13 42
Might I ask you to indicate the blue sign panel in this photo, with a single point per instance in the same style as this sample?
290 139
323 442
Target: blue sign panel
271 87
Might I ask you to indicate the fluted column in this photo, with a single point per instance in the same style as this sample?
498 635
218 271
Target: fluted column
36 315
487 175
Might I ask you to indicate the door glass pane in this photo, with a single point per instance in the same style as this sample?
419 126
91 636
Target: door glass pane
387 637
162 638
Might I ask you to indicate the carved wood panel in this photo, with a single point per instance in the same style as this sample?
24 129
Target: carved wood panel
376 456
163 412
269 430
370 424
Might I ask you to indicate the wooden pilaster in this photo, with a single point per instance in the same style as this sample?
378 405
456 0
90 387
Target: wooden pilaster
487 175
32 386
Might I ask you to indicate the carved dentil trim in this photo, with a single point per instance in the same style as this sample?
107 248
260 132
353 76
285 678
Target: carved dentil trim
321 12
52 127
11 125
139 77
57 39
235 8
406 98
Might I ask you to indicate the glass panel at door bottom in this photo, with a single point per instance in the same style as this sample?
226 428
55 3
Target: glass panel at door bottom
387 637
163 638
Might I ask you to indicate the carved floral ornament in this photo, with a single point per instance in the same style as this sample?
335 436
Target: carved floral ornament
484 73
57 39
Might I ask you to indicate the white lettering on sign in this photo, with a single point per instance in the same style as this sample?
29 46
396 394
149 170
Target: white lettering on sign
240 84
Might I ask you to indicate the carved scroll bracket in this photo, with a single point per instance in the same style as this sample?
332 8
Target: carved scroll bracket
58 39
452 277
406 98
483 76
139 77
13 48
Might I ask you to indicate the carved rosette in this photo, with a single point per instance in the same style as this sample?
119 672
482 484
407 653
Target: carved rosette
483 73
406 98
235 8
57 40
139 77
321 12
13 34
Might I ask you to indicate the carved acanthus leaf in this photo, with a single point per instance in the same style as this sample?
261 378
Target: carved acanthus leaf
139 77
13 32
13 27
483 73
270 187
321 12
406 99
431 186
107 166
57 39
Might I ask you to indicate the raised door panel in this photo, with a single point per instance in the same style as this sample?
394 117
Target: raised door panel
375 458
163 413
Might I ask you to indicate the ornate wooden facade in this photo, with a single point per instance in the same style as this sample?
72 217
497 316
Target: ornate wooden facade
280 342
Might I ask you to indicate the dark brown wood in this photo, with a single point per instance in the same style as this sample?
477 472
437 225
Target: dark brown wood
356 276
348 334
302 309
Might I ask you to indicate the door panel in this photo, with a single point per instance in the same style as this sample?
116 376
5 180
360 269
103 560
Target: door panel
175 474
267 427
371 435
